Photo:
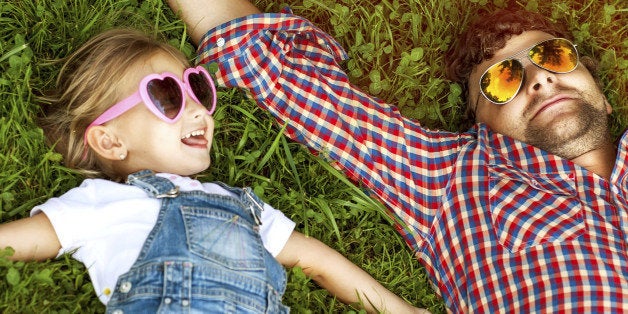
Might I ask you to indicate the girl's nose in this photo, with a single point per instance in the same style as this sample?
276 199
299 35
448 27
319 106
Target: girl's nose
195 109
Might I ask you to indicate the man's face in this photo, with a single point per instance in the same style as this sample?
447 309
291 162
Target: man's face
564 114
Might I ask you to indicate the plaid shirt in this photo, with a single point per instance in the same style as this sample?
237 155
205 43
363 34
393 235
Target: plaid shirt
500 226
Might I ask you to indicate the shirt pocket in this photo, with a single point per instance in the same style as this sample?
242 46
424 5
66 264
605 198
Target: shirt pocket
533 209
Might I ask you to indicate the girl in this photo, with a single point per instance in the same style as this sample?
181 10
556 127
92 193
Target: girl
129 108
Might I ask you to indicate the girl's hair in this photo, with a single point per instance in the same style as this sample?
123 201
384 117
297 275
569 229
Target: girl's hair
87 85
488 34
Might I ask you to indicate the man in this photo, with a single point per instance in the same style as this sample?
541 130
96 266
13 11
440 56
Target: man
524 212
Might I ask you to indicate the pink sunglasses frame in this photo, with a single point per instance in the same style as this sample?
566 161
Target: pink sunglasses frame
142 96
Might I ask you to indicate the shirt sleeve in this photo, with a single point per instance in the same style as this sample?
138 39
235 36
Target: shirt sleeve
292 69
69 216
275 230
100 209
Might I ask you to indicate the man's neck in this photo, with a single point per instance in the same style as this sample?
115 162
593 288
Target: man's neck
599 161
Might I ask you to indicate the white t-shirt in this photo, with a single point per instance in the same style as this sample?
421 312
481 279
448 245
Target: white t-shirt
104 224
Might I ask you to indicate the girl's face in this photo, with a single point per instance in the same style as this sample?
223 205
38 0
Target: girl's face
180 148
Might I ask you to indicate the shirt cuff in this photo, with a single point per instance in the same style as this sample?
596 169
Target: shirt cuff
255 45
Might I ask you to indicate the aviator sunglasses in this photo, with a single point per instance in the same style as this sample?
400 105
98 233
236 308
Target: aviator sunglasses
164 95
502 81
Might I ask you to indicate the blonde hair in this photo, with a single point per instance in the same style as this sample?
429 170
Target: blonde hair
87 85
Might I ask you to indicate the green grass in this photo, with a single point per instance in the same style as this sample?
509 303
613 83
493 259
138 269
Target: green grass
397 49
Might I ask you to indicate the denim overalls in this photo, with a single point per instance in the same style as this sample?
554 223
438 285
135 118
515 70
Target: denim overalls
204 255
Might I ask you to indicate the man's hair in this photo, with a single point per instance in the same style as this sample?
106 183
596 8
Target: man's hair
88 84
488 34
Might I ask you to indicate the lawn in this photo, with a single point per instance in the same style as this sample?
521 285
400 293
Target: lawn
397 50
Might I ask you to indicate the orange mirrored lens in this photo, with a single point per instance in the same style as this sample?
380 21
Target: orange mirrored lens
501 82
556 55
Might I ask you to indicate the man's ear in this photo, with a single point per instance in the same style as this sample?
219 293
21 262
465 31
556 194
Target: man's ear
105 143
609 108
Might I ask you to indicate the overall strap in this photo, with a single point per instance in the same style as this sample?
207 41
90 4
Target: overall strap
248 198
155 186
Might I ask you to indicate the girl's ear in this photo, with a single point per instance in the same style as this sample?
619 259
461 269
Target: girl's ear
105 143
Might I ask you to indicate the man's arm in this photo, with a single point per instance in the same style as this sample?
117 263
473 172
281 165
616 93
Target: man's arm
294 70
203 15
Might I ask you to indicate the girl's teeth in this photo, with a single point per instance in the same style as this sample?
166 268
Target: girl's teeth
195 133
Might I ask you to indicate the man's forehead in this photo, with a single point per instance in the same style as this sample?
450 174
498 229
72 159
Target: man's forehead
514 45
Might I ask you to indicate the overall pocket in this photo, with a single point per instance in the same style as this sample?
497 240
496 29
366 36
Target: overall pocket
529 210
223 237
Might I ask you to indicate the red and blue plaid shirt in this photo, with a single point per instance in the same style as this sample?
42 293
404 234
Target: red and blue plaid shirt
500 226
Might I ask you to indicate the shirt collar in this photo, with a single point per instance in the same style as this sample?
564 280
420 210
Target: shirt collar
504 150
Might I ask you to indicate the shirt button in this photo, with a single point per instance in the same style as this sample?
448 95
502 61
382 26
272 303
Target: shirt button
167 300
185 302
220 42
125 287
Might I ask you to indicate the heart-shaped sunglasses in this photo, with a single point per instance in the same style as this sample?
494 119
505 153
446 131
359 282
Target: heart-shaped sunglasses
164 95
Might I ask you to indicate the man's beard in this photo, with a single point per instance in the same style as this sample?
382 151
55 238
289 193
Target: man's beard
588 131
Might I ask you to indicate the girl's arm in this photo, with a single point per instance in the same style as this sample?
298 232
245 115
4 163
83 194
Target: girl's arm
341 277
32 238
